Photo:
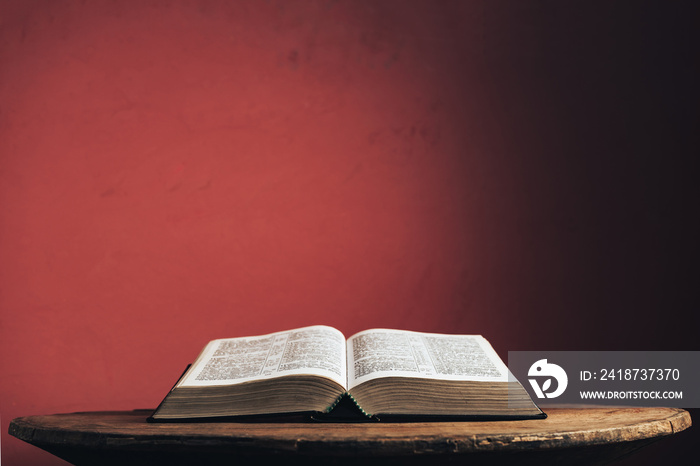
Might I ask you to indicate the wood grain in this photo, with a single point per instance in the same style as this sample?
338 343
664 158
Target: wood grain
590 435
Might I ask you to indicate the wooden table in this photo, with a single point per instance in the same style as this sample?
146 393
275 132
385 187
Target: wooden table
567 436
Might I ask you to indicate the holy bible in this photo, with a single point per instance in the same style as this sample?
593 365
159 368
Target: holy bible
314 373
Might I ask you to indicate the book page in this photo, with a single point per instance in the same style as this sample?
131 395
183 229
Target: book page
317 350
400 353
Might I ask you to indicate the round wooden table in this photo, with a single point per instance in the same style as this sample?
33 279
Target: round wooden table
567 436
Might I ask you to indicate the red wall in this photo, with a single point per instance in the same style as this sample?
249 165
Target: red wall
174 172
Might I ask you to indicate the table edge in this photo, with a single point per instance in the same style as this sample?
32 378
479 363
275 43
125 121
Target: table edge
28 430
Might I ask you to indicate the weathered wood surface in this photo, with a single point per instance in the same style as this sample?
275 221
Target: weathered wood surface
583 436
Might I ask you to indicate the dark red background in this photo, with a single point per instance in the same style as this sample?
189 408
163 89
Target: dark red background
173 172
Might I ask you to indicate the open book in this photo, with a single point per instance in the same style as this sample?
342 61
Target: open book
380 374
